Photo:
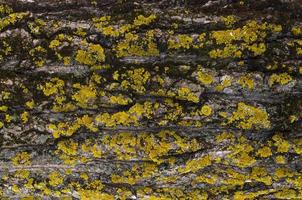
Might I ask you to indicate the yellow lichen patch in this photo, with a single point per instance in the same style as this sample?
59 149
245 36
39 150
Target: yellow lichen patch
21 158
186 94
67 151
85 96
38 55
228 51
196 164
264 152
120 99
249 117
205 78
136 174
280 160
15 188
119 118
55 178
93 55
224 136
134 79
281 144
240 153
92 194
129 146
239 195
286 194
69 147
55 86
5 95
228 20
247 35
297 145
246 82
59 41
260 174
22 174
5 9
142 20
135 45
68 128
207 178
12 18
30 104
3 108
293 118
94 149
234 178
282 79
180 41
283 172
226 81
296 30
140 110
206 110
36 26
24 117
257 49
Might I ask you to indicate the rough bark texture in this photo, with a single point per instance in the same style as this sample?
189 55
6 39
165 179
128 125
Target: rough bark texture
118 99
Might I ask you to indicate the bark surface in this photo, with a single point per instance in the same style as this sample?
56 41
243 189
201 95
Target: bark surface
123 99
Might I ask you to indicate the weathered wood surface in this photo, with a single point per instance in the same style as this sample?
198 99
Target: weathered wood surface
123 99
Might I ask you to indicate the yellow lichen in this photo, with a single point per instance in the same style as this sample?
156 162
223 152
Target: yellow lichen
93 55
264 152
181 41
30 104
120 99
196 164
187 94
246 82
21 158
142 20
281 144
228 20
85 96
55 86
296 30
280 160
24 117
206 110
55 178
282 79
205 78
249 117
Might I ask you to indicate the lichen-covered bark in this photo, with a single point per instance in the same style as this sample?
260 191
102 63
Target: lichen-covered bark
150 99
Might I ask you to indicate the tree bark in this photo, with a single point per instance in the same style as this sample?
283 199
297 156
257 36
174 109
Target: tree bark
123 99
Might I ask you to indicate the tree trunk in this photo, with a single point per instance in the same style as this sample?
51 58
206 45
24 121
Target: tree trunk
123 99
